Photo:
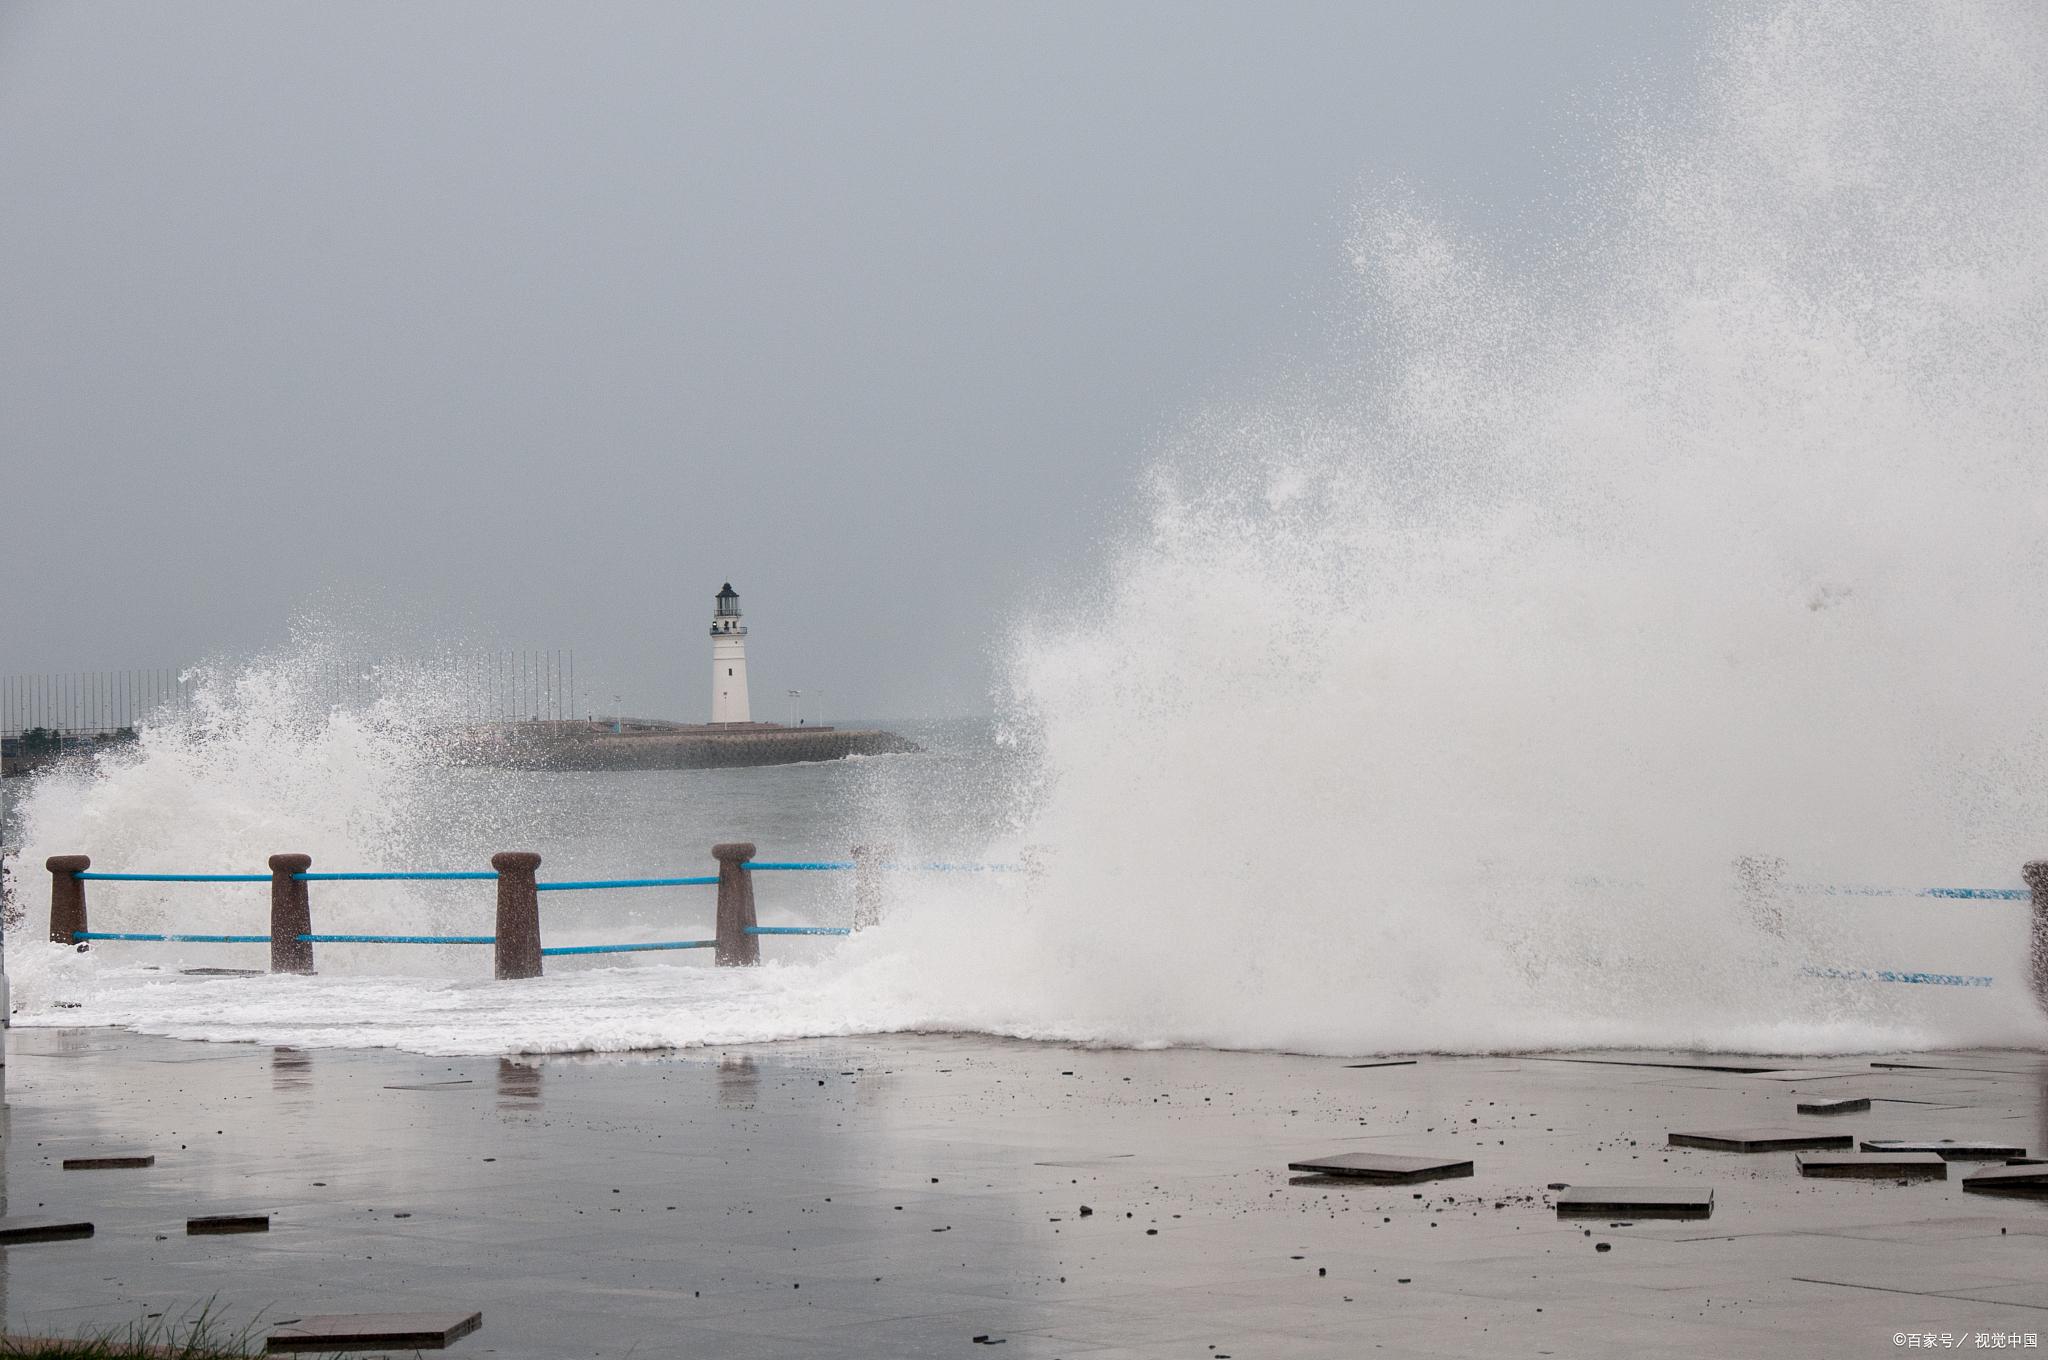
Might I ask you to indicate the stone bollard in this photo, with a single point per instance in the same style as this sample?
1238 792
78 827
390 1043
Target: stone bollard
1759 882
736 948
2037 939
67 897
870 888
291 915
518 949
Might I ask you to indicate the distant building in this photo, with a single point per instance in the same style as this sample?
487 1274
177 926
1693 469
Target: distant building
729 661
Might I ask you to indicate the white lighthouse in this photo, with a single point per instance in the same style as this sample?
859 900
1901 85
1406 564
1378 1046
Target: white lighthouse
728 661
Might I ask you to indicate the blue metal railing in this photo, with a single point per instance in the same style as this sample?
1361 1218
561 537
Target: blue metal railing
594 883
933 867
175 878
413 875
169 939
1910 977
627 948
1896 975
398 939
1952 894
769 866
381 874
943 868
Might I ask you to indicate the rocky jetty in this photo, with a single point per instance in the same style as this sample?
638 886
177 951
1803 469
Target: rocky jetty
643 744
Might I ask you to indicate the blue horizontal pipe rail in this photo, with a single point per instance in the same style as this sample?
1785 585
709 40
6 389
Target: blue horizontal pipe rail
626 948
763 865
399 939
405 939
944 868
175 878
796 930
169 939
1955 894
394 874
1897 975
588 884
936 866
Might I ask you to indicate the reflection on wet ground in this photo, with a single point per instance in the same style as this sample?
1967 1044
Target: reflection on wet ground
518 1084
291 1069
738 1081
904 1196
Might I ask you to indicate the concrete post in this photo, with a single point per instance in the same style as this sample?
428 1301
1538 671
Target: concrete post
67 897
518 914
2037 939
291 915
736 948
870 889
8 911
1760 882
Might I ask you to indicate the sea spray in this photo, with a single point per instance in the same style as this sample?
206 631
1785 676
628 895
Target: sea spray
265 758
1437 698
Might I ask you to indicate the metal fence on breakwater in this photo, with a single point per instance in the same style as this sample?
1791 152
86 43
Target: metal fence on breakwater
494 686
76 704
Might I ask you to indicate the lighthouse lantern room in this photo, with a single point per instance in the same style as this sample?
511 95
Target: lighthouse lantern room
728 660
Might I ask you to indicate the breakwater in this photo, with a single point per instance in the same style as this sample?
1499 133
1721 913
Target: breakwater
40 748
555 745
665 746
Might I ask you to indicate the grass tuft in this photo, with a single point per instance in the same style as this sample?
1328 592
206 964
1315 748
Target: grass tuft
199 1337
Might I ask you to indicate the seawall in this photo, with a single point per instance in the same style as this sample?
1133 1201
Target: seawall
569 746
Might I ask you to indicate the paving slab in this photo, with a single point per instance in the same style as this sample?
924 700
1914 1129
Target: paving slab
1763 1140
16 1232
455 1084
1954 1149
1635 1201
1385 1168
1904 1166
220 1225
2027 1178
1843 1105
120 1162
2003 1063
374 1331
1688 1062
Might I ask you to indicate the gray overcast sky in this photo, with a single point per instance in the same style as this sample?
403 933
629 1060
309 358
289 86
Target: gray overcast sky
531 324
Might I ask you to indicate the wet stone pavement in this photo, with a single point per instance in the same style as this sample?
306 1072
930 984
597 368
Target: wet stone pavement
932 1196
